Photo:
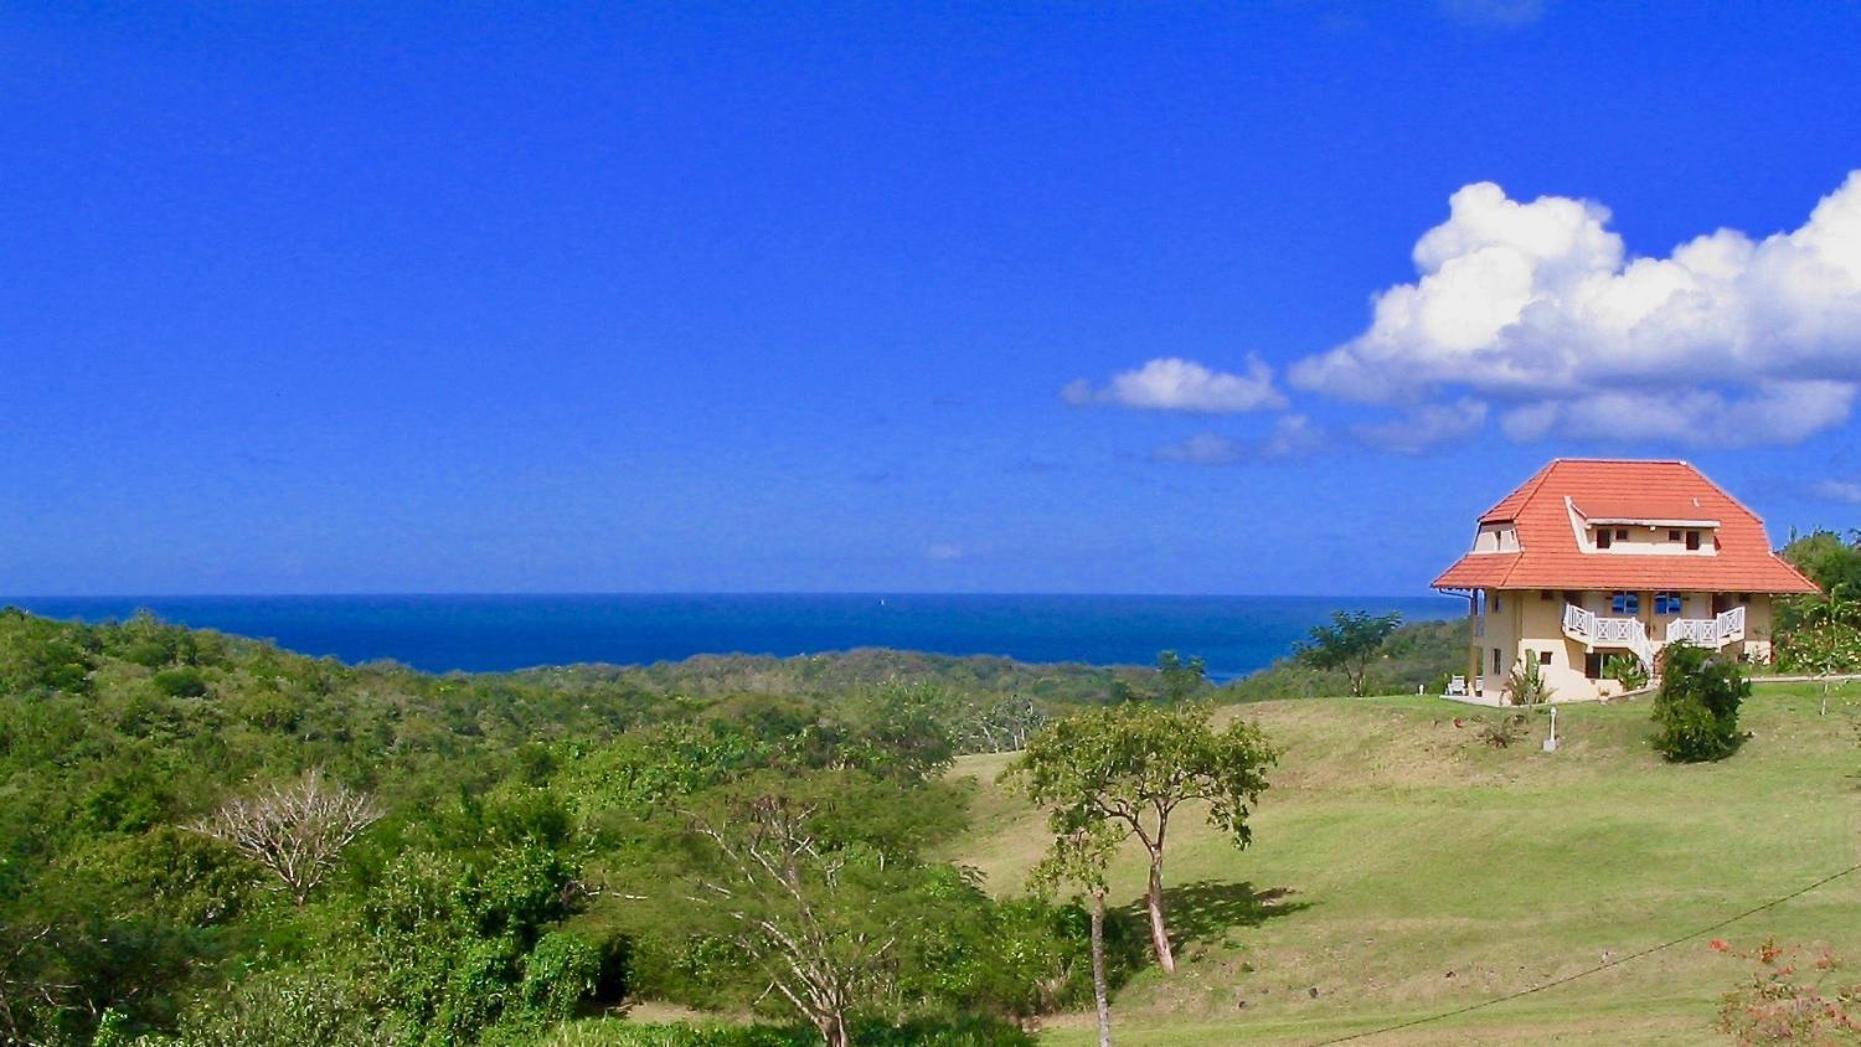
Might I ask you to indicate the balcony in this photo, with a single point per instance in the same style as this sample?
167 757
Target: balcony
1712 633
1593 630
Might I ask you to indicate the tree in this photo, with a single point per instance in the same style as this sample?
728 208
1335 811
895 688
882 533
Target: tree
816 913
1131 767
1348 643
1696 709
296 831
1079 858
1180 679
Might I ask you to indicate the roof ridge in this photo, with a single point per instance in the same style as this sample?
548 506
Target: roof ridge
1524 491
1628 461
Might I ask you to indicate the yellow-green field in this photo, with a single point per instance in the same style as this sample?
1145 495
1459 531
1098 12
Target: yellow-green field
1401 868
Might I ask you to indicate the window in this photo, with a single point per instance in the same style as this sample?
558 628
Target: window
1602 538
1621 534
1593 665
1544 657
1693 540
1495 599
1673 536
1496 664
1544 594
1625 603
1668 603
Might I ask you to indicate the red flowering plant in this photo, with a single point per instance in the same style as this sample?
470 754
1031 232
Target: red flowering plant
1795 995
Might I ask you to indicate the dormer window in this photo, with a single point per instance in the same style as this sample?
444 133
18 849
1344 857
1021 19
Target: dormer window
1603 535
1693 541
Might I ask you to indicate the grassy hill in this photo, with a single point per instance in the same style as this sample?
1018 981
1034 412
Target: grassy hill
1403 867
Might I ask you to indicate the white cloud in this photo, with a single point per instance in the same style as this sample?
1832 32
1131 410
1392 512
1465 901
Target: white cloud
1202 449
1175 384
1426 426
1840 491
1293 435
1538 306
944 551
1501 13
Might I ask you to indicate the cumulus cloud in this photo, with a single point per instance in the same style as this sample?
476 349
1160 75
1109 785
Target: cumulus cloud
1840 491
1175 384
1202 449
1293 435
1421 428
1538 307
1500 13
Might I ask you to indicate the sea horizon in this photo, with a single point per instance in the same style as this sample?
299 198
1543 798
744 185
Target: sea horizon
502 632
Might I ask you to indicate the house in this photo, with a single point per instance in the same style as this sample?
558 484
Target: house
1591 558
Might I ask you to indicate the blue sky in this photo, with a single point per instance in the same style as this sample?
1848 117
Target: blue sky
1044 297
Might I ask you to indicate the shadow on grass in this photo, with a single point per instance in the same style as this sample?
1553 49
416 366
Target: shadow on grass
1203 912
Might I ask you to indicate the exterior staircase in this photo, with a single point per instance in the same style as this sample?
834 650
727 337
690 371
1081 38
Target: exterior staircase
1593 630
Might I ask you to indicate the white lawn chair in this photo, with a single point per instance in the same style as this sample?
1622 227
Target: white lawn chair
1457 687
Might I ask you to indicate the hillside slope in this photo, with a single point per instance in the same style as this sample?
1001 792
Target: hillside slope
1402 867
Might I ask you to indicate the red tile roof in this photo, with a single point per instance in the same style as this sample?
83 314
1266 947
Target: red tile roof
1612 489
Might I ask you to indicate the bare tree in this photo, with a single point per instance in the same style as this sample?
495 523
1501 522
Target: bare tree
1078 859
23 989
788 902
294 831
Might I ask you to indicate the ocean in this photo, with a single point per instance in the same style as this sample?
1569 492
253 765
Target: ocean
1234 634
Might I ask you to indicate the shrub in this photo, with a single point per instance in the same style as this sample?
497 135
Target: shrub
1525 684
1696 710
559 973
1790 998
185 682
1503 732
282 1008
1626 670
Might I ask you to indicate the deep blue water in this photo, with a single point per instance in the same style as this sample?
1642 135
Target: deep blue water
1235 634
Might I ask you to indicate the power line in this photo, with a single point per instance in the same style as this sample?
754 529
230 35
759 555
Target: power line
1605 965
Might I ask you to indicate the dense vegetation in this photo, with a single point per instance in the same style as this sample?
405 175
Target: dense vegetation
524 847
1822 633
1414 655
208 840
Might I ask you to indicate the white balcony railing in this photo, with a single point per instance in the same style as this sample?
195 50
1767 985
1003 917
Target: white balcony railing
1594 630
1731 625
1702 632
1715 632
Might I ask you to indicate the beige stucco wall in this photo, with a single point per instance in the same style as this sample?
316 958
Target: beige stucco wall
1526 624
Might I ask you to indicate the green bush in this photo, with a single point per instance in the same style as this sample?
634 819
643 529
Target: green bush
1525 684
1627 670
1696 710
282 1008
560 972
185 682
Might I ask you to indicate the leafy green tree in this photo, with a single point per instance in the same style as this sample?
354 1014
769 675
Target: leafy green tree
1349 643
1696 709
1131 767
1180 679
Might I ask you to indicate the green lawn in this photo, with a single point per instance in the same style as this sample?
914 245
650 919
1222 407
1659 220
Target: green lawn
1401 868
